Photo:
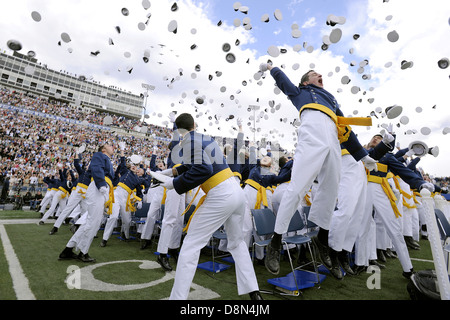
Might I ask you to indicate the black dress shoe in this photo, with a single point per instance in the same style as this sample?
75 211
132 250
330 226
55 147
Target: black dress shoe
67 254
411 243
255 295
376 263
272 260
103 243
359 269
123 237
390 254
85 257
335 269
323 253
344 261
145 243
380 255
164 262
408 274
53 231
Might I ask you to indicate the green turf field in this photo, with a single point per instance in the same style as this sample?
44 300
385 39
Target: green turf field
124 272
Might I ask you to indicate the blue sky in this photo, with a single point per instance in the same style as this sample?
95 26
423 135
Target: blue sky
422 28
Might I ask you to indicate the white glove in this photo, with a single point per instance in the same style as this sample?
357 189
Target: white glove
122 145
81 149
172 117
168 184
167 172
410 153
427 185
398 145
263 67
390 128
370 163
239 122
139 205
388 138
105 192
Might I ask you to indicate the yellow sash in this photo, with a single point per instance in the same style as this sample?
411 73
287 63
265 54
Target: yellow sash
109 203
307 199
82 190
237 174
131 199
261 196
65 192
342 123
387 189
206 186
163 200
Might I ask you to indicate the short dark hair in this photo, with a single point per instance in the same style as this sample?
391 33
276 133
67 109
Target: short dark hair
305 77
185 121
283 160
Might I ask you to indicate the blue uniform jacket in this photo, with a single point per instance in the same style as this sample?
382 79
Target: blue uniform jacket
100 168
300 96
267 179
132 181
286 168
120 170
83 175
398 168
202 158
51 182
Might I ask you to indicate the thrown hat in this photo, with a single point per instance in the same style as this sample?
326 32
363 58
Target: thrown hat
14 45
393 111
443 63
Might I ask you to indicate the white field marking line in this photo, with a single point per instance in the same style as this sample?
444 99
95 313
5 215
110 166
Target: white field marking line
423 260
20 282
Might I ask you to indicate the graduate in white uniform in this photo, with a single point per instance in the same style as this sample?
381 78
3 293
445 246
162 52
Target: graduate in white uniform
127 192
52 188
256 192
77 196
347 218
317 155
59 199
158 198
381 200
222 205
99 196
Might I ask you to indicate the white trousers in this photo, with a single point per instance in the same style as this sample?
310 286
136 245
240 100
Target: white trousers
119 207
377 200
74 200
47 200
223 205
57 201
154 212
346 220
318 154
95 202
172 223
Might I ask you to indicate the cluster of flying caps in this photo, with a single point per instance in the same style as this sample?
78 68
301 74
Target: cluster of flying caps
333 20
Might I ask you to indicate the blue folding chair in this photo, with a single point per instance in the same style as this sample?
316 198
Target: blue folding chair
264 225
297 224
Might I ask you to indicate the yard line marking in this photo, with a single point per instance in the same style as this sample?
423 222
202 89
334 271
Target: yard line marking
20 282
423 260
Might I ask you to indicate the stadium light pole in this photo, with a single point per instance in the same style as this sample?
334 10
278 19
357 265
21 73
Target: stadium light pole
147 87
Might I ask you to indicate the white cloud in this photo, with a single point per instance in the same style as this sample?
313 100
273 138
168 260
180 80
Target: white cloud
311 22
